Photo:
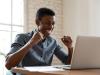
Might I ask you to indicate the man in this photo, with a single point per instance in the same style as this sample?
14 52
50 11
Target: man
37 48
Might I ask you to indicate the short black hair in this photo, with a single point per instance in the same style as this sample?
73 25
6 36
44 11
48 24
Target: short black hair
43 12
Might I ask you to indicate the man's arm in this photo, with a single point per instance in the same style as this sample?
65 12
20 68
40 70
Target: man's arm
65 57
68 43
70 51
14 58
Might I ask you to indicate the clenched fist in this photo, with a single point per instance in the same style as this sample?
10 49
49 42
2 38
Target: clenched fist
67 41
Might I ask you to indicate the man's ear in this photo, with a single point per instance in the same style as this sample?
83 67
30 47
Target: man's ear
37 22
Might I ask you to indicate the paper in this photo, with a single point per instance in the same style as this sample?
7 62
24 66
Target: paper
43 68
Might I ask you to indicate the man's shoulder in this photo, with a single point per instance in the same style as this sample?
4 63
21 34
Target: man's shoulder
23 36
26 34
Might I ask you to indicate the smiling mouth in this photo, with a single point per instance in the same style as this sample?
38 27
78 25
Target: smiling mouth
48 31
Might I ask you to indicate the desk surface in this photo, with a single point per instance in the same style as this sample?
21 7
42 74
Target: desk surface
66 72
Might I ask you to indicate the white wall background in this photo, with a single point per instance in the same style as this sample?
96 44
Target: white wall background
81 17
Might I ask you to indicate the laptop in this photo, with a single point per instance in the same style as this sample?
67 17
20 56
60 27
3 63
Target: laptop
86 53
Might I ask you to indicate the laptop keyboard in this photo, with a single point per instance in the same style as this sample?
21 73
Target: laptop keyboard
65 67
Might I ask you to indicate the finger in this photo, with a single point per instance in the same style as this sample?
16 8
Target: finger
63 40
68 38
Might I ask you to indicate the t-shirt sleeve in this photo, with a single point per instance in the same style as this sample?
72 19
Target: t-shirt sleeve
18 43
61 54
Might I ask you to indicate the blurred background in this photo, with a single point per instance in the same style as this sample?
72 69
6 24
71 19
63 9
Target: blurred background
73 18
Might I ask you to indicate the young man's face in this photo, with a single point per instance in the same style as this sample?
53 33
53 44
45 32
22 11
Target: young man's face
46 24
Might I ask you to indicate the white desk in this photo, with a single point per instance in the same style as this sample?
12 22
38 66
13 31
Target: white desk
67 72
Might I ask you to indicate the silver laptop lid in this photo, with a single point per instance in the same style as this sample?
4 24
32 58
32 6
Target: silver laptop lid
86 53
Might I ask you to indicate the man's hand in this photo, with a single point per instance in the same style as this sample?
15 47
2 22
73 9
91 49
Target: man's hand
67 41
37 37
